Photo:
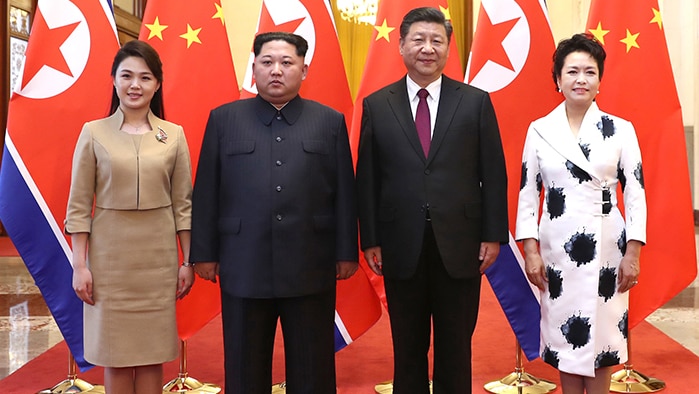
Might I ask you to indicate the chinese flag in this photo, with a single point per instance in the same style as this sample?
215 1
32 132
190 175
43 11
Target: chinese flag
65 82
511 59
198 76
383 66
637 58
357 306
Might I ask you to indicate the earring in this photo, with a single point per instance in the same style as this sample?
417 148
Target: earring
598 92
558 90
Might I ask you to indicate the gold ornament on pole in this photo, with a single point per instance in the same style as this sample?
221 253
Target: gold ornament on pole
629 381
183 383
358 11
72 384
519 382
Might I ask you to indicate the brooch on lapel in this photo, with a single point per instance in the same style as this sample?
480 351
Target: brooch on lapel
161 136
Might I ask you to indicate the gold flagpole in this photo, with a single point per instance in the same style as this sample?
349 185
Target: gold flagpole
72 384
183 383
519 382
629 381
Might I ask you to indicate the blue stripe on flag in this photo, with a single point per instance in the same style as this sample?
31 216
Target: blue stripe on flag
516 297
339 340
42 253
342 336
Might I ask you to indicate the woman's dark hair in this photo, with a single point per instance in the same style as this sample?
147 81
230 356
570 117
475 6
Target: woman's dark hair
142 49
582 42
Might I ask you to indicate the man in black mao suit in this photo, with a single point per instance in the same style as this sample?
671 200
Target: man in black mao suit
431 223
274 215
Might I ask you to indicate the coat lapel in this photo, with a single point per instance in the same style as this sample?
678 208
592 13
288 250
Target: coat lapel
555 131
448 102
400 105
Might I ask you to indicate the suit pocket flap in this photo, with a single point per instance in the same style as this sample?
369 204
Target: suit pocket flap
229 225
240 147
313 146
473 210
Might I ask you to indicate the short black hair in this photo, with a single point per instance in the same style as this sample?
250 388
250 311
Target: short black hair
142 49
294 39
425 14
581 42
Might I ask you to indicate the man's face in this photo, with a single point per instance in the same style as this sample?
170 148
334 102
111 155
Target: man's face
424 50
278 72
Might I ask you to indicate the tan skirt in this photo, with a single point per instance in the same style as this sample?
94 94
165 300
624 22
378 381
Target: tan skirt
133 259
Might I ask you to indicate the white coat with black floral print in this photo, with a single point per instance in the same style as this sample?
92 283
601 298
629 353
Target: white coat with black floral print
582 233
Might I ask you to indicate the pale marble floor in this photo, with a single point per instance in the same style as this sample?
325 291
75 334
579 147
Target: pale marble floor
27 329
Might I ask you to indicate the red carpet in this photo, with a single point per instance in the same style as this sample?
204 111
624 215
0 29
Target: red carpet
368 361
7 249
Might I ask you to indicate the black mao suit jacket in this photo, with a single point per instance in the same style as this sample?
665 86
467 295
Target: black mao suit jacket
274 200
463 181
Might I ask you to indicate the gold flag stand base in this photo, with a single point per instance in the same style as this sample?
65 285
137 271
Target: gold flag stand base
629 381
279 388
185 384
387 387
72 384
519 382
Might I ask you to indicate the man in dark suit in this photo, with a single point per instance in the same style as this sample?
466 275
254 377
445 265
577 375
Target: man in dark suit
432 209
274 215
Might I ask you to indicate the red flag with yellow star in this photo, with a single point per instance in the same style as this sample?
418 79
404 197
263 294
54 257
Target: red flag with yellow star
198 76
384 65
638 85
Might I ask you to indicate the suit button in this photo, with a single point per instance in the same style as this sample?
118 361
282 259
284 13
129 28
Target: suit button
278 188
427 172
278 139
279 218
278 163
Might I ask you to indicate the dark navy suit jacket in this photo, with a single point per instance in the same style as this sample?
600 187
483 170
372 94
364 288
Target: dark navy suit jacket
274 199
463 181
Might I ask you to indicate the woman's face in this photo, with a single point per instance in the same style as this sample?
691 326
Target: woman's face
579 81
135 84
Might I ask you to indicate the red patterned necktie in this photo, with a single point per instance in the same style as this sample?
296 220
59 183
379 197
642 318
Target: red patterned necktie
422 121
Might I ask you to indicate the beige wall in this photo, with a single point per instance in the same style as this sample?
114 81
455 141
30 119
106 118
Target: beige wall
126 5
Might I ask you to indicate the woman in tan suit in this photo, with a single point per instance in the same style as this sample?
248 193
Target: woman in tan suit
130 201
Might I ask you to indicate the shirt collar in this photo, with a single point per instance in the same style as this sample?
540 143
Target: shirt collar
434 88
267 112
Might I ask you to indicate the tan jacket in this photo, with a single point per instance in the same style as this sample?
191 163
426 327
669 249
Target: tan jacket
109 173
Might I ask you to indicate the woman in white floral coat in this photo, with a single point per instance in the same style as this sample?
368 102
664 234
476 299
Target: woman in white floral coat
581 252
